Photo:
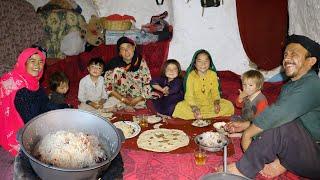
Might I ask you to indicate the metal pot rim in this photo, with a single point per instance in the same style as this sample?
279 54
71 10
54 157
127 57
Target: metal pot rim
31 157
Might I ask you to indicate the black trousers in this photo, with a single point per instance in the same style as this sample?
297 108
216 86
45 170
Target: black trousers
291 143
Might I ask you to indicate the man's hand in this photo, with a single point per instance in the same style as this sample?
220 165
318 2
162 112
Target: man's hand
248 134
237 126
245 142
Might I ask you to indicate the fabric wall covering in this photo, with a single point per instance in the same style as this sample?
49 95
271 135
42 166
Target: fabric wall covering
263 27
20 27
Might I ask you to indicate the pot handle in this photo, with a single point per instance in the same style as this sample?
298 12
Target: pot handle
19 135
122 138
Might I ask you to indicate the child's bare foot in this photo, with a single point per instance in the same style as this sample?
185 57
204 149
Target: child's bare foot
273 169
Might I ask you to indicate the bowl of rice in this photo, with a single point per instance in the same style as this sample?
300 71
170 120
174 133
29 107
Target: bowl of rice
211 141
70 144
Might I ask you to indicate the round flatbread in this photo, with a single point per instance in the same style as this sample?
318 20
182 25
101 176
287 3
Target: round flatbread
162 140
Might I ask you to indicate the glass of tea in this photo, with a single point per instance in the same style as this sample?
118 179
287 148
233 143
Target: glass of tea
143 121
200 156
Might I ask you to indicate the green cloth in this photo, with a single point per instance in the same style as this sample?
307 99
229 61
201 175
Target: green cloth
298 100
192 67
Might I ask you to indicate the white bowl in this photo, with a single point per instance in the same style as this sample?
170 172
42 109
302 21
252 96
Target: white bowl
219 126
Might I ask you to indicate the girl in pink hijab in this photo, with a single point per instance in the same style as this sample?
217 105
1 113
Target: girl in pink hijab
20 96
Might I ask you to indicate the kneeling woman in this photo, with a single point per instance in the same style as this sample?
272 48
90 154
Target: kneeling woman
21 97
202 93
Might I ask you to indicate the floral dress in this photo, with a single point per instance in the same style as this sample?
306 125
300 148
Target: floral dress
129 83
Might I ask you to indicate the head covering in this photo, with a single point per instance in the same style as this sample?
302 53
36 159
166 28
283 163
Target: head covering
192 67
122 40
10 83
118 60
310 45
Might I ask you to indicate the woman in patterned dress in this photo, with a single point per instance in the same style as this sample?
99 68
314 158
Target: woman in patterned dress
127 76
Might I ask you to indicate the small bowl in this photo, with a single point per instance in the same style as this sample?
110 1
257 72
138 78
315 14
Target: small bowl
219 126
217 140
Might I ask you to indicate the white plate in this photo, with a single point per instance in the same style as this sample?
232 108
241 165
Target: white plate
219 126
201 123
154 119
135 128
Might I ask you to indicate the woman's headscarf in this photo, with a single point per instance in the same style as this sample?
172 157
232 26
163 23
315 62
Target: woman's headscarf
118 60
10 83
192 67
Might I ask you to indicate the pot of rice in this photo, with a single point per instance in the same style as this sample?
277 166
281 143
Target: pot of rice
70 144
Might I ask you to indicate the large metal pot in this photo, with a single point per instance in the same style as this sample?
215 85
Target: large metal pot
69 120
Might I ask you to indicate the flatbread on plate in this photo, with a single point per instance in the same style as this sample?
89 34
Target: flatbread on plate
130 129
154 119
201 123
162 140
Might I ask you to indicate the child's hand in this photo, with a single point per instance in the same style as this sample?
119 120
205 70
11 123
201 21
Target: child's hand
95 105
102 101
165 91
217 107
242 95
197 115
196 112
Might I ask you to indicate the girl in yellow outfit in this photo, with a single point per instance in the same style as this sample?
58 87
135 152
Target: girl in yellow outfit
202 91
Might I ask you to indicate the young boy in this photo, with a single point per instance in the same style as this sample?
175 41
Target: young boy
59 86
92 93
251 99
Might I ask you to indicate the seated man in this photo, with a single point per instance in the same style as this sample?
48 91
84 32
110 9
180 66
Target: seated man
290 127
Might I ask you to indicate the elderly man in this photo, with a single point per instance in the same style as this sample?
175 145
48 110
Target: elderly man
288 132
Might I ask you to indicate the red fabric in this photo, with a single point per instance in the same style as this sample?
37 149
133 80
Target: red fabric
117 17
139 164
261 106
10 83
263 27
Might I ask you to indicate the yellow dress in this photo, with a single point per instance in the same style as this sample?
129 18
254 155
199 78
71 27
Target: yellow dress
202 92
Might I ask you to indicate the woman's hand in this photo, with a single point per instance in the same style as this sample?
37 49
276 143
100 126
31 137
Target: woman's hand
125 100
237 126
135 101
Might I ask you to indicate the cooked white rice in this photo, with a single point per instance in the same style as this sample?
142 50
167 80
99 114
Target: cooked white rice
70 150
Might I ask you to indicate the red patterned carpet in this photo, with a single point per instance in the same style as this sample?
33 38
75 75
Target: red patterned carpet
6 165
143 165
